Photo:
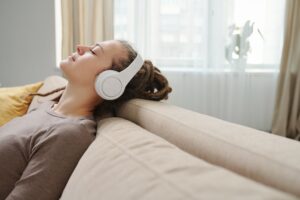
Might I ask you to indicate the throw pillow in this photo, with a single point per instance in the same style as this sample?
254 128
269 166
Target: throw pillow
14 101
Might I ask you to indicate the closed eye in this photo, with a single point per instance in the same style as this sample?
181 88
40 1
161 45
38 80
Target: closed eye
92 52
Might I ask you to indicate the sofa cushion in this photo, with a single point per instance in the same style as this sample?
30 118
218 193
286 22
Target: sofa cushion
264 157
50 83
127 162
14 101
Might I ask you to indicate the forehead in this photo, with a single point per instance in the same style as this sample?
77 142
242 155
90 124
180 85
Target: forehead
113 48
109 45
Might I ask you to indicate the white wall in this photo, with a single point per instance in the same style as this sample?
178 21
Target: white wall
27 41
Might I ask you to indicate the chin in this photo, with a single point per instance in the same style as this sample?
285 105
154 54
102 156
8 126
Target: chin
63 63
64 66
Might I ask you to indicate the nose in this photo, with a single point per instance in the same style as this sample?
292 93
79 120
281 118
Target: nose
81 49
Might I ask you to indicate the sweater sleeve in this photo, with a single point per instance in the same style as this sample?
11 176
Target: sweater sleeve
52 161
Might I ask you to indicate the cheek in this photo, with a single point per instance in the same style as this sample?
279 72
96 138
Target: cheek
82 75
83 71
101 67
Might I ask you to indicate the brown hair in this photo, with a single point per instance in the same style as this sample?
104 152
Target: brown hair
148 83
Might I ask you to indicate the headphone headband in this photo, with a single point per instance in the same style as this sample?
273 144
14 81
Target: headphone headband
127 74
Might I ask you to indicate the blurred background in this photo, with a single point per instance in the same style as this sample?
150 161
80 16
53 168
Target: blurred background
223 58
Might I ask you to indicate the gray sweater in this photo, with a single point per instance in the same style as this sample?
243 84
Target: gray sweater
39 151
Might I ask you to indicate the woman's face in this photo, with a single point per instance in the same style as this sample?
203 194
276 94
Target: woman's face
82 67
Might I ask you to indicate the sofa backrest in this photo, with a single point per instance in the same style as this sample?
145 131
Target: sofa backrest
49 84
266 158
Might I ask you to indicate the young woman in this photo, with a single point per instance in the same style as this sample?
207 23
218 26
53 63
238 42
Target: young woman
39 151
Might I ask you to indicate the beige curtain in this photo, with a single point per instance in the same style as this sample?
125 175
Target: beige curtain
286 118
85 22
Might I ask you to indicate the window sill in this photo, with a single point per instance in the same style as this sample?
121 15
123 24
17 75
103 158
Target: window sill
193 70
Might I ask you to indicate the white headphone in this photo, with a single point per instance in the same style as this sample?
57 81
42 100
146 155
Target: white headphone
111 84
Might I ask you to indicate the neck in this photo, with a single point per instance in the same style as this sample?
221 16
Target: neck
76 101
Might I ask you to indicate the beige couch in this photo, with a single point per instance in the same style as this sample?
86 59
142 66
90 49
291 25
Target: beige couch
154 150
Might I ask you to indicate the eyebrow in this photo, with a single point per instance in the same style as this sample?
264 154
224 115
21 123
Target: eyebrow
99 45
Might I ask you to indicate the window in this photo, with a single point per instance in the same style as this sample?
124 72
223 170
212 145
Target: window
205 34
58 32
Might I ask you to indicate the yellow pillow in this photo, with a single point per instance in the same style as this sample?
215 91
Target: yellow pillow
14 101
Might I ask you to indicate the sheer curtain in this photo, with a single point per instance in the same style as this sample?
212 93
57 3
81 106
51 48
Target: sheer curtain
85 22
221 57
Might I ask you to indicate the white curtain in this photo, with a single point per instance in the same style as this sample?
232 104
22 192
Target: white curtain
221 56
243 98
85 22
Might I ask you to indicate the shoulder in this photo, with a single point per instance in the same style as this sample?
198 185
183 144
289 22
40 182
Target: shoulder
70 131
64 136
68 127
90 125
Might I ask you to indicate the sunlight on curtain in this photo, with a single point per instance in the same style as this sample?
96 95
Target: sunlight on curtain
82 22
221 56
58 31
197 33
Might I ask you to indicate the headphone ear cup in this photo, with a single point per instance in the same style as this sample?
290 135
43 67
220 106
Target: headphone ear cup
108 85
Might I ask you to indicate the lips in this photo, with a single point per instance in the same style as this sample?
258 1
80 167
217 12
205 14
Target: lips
72 58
